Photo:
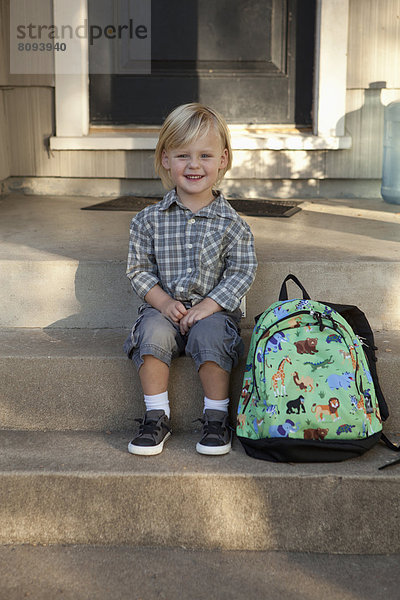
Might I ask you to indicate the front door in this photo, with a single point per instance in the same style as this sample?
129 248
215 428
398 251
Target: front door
252 60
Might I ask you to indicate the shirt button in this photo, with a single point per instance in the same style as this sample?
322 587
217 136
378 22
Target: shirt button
180 289
191 221
190 246
189 270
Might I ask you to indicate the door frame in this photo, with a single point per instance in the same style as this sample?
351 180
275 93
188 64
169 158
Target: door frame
329 94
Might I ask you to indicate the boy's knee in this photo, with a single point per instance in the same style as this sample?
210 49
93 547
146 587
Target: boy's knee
157 336
153 334
215 339
156 330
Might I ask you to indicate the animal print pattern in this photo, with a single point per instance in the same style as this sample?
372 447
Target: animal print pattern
306 377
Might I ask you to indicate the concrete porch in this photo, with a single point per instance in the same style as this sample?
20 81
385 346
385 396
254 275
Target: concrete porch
68 395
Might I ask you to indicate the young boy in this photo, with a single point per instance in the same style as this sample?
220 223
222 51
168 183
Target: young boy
191 259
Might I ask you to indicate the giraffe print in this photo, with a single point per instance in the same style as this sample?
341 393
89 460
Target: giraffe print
353 357
279 376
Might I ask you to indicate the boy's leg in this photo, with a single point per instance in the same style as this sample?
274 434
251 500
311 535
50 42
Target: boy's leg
153 375
215 381
155 428
216 435
155 341
215 345
216 339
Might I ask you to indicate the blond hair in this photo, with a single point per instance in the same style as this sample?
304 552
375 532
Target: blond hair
182 126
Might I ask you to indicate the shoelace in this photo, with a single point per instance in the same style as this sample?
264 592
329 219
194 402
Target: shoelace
213 427
150 427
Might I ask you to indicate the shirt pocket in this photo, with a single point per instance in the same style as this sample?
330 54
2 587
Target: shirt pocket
211 252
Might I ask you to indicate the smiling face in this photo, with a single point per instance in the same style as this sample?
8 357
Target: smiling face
194 168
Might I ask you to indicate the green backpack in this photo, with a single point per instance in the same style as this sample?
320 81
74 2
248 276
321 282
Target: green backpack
309 391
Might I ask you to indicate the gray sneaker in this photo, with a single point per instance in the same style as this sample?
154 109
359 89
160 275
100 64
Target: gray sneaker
154 430
217 436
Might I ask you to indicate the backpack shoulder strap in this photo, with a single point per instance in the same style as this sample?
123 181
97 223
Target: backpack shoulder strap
392 446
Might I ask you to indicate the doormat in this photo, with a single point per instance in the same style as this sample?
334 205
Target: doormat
256 207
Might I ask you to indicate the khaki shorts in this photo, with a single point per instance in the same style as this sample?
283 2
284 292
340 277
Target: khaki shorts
215 338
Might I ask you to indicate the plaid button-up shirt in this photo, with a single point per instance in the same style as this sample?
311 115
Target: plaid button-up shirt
192 256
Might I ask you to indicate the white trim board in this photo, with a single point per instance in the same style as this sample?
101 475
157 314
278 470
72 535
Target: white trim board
248 141
72 95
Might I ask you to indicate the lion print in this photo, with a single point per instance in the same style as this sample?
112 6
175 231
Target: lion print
330 409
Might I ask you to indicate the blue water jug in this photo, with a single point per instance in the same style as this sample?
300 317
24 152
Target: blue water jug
390 189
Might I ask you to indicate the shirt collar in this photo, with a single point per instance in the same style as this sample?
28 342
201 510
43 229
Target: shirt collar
169 199
219 206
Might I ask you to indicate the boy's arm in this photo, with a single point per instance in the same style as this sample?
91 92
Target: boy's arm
143 272
239 273
142 268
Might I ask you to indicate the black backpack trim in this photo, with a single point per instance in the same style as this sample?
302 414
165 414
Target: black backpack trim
297 450
359 324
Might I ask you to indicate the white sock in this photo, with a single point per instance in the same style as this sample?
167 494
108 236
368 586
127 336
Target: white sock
158 402
216 404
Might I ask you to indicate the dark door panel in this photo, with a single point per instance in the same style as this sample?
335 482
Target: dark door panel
239 56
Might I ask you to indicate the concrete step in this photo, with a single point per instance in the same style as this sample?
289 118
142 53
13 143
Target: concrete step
81 379
97 294
85 488
65 268
101 573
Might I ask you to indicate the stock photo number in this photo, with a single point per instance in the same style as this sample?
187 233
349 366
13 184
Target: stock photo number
41 47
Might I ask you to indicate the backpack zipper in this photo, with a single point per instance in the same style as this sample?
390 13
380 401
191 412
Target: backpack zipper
295 314
318 317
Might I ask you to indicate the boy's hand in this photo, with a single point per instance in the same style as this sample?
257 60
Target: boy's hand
203 309
173 309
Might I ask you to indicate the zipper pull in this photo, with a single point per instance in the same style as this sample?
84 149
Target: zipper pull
362 341
334 324
318 317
